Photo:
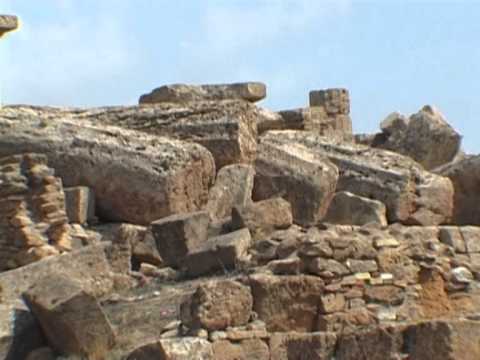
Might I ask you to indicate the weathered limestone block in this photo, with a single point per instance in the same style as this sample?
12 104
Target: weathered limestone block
88 265
248 349
305 179
350 209
19 332
136 177
220 253
217 305
233 187
329 113
286 303
449 340
185 348
263 217
347 321
71 319
182 93
334 101
80 204
295 119
426 137
465 176
8 23
411 195
293 345
178 235
33 221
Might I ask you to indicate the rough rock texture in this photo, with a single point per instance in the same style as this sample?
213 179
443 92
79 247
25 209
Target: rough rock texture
233 187
8 23
182 93
295 119
305 179
263 217
218 305
33 221
465 176
411 194
329 113
178 235
248 349
89 266
425 137
221 253
80 204
186 348
312 346
71 319
287 303
136 177
350 209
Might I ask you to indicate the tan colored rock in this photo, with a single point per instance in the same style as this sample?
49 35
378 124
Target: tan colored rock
80 204
185 348
220 253
312 346
88 265
218 305
426 137
19 331
335 101
348 321
385 294
183 93
350 209
296 119
302 177
178 235
71 319
286 303
263 217
249 349
33 222
8 23
411 195
465 176
449 340
136 177
233 187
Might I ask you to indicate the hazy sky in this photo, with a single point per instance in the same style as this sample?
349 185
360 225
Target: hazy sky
391 55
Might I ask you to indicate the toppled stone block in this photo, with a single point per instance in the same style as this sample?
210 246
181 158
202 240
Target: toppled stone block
80 204
295 119
71 319
8 23
247 349
465 176
263 217
302 177
224 252
286 303
182 93
88 266
233 187
185 348
411 195
178 235
426 137
217 305
293 345
350 209
136 177
34 223
19 332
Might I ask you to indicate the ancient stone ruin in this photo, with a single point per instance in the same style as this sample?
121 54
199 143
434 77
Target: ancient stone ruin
199 225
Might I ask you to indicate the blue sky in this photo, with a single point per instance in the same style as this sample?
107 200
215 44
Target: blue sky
391 55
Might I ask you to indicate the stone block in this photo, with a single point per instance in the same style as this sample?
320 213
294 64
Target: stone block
80 204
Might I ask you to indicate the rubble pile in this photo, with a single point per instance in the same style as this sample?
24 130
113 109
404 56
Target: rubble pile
198 225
